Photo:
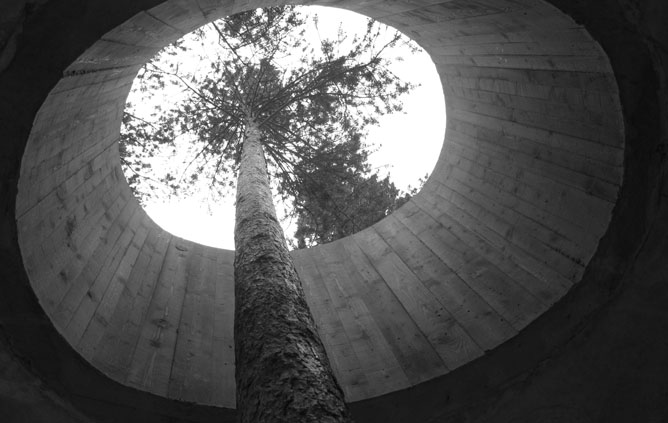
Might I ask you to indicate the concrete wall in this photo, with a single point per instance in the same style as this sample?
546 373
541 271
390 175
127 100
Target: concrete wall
512 213
510 219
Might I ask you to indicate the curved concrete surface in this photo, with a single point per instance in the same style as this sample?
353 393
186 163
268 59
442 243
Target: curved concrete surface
508 222
512 213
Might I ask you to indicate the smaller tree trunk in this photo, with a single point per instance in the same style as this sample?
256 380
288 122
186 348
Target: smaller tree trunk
282 371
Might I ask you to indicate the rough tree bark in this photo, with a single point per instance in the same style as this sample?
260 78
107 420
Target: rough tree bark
282 372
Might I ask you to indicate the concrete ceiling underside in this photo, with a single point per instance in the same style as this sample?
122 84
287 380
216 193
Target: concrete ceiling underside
543 188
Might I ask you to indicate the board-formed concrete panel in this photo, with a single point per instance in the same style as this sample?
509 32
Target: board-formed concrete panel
528 175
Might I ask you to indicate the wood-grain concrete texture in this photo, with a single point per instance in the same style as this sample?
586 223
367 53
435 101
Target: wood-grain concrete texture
524 189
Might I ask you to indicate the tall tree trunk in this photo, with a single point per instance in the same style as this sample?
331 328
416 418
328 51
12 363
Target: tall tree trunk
282 372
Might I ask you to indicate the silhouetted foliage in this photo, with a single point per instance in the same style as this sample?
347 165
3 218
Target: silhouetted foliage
313 110
327 211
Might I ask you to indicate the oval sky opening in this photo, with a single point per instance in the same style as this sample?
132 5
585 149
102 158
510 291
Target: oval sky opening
405 145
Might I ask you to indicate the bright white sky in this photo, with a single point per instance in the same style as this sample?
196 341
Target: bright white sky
408 146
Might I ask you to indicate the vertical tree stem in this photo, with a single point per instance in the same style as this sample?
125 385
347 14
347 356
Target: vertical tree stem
282 371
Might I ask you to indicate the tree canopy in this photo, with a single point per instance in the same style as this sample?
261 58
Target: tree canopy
324 215
312 102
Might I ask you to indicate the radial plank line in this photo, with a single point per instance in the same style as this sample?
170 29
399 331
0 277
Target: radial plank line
500 330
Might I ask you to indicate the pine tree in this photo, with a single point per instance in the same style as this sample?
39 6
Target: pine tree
256 116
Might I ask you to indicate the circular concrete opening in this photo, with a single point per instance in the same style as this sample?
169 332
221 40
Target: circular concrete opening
199 207
514 210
